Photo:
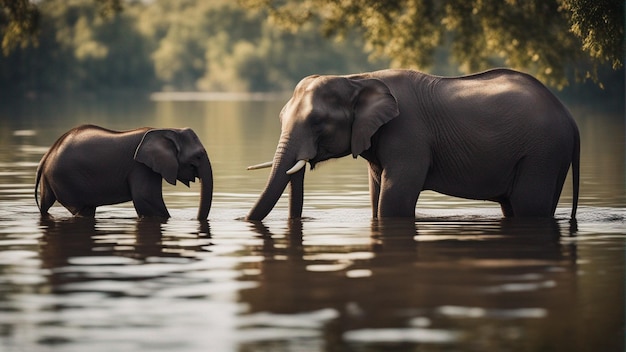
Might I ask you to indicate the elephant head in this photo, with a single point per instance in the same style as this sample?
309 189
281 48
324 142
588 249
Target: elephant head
327 117
178 155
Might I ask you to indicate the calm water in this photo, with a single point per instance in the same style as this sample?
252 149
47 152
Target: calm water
458 278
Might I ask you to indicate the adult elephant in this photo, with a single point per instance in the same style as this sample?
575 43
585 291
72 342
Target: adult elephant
91 166
499 135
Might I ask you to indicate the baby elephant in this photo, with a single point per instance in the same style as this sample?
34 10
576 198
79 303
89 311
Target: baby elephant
91 166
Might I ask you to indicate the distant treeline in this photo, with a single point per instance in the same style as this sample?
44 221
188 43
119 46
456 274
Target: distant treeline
194 45
170 45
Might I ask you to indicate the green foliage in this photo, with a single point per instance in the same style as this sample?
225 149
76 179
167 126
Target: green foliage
220 46
600 26
268 45
19 20
546 37
171 45
78 50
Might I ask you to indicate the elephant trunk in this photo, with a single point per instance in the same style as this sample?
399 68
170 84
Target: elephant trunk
277 183
205 174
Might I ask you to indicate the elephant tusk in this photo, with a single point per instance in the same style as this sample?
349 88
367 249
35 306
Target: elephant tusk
299 165
260 166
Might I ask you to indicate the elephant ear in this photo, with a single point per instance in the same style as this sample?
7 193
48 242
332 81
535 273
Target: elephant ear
374 106
158 150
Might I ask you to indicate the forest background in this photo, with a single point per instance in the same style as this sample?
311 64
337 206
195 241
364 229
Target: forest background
116 46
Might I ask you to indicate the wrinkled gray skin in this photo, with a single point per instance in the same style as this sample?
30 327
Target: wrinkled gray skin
90 166
499 135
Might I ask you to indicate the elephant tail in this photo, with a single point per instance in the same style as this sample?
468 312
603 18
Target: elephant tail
37 181
43 190
38 178
575 175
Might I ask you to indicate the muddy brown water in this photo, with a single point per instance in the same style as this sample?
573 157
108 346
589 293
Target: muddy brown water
458 278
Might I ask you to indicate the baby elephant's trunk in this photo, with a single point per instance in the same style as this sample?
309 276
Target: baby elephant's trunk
205 174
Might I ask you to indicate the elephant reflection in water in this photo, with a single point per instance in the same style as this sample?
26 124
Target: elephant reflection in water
406 276
74 237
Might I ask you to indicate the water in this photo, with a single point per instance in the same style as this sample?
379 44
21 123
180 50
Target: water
458 278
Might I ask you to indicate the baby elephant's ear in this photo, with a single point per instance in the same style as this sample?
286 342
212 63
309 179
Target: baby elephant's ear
159 151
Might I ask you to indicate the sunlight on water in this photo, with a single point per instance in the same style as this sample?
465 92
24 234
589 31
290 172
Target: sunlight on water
476 312
458 278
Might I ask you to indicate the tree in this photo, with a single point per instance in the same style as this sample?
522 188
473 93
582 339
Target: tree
19 21
169 44
220 46
546 37
78 50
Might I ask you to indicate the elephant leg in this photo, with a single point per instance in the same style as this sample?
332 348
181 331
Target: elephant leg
559 186
399 192
147 193
374 186
150 205
73 200
507 209
533 191
47 197
87 212
80 210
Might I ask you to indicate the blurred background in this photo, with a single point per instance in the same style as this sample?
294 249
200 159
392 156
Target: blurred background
141 46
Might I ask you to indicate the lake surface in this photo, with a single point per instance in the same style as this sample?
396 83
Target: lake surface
459 278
